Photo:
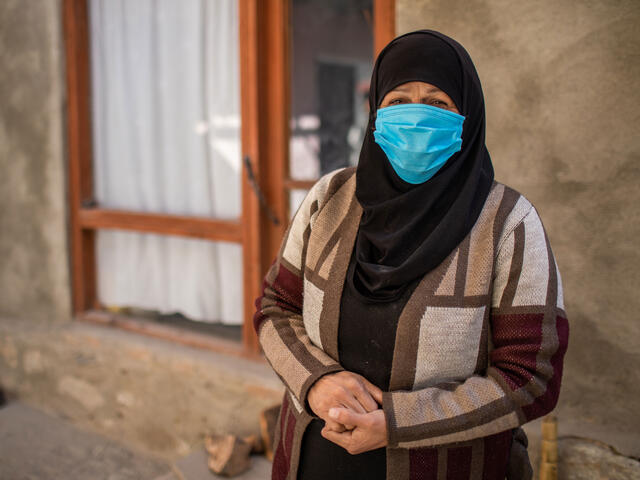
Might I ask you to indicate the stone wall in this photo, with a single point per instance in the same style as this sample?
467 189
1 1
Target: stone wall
34 277
562 90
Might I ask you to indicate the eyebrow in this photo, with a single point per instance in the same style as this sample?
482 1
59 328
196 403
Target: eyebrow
403 88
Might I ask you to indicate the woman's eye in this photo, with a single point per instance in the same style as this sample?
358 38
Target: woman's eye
395 101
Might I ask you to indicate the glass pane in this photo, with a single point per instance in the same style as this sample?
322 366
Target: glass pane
331 67
199 279
166 106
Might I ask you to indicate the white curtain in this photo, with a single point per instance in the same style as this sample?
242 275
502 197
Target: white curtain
166 136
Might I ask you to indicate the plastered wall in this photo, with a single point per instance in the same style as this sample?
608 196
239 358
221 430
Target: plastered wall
562 91
34 272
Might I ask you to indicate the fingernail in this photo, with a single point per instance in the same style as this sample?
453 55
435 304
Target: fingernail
333 412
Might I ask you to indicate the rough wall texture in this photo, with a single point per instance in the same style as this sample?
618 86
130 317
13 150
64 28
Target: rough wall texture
562 89
34 273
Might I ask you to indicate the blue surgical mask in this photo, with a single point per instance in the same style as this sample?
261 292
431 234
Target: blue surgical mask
418 139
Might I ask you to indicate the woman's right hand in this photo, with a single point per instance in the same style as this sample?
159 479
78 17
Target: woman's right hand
343 389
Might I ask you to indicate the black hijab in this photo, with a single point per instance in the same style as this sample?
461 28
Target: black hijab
407 230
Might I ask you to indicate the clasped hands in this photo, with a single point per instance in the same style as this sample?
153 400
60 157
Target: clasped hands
350 405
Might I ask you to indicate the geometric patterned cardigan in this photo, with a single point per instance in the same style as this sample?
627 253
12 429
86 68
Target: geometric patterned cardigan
479 344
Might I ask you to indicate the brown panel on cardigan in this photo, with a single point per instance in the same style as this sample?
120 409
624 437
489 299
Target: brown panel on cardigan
477 459
509 199
516 267
461 268
552 284
524 309
397 463
299 350
330 216
280 467
327 263
481 245
448 283
282 358
317 353
442 463
330 315
301 425
482 358
314 275
340 179
476 417
403 366
516 399
307 232
305 244
476 301
346 215
272 273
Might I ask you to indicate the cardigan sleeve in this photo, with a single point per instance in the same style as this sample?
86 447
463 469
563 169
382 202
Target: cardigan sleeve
278 319
529 334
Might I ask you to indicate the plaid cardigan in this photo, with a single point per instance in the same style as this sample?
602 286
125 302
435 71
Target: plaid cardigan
479 344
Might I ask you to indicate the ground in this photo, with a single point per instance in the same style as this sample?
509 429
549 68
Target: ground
35 445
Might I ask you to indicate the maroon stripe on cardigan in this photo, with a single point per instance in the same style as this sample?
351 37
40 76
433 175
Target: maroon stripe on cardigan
517 339
288 288
547 401
496 455
284 410
458 462
280 468
288 437
259 317
286 291
423 464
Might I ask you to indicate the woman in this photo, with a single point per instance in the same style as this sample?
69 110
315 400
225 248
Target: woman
415 309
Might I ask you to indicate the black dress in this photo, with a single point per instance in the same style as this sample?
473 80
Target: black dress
366 338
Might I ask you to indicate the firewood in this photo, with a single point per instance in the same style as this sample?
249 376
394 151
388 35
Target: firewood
549 428
549 450
229 455
268 422
257 445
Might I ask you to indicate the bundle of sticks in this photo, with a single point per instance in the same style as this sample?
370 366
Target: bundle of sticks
549 450
230 455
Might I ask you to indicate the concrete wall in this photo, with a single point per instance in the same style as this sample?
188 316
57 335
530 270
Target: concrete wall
562 90
34 272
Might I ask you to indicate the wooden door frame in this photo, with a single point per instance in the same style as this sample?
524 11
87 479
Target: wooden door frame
264 26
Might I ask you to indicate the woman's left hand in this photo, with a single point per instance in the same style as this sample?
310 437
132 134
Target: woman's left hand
369 432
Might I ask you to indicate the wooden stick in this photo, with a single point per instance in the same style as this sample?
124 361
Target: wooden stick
229 455
257 445
549 450
268 422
